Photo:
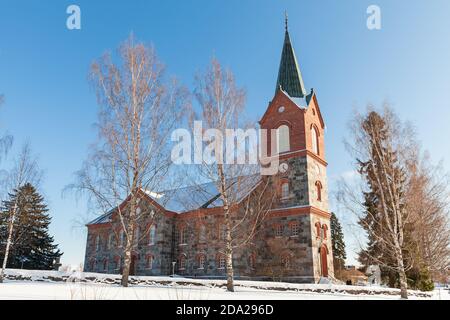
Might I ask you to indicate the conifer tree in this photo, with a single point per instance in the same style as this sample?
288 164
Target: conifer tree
33 246
337 240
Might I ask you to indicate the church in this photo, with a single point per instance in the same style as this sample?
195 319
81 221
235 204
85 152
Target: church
295 243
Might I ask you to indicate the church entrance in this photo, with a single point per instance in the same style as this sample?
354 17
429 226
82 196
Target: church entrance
324 260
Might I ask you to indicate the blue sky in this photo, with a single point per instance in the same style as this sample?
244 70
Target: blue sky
43 70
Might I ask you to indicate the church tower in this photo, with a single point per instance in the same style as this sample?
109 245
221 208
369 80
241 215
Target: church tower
301 216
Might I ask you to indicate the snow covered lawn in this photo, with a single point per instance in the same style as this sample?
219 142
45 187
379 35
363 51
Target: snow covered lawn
52 285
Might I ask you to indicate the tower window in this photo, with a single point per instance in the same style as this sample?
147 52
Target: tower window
285 190
315 140
283 139
319 191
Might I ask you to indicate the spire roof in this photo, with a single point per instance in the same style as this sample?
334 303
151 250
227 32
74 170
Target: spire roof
289 76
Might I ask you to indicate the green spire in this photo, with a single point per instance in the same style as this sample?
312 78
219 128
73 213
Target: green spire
289 76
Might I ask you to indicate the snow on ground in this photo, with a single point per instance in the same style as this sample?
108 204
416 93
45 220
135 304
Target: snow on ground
48 285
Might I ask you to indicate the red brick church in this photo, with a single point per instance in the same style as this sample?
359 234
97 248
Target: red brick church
295 243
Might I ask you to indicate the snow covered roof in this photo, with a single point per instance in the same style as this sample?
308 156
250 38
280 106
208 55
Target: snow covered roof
201 196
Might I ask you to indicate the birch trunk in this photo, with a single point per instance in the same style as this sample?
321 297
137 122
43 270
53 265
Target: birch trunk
9 241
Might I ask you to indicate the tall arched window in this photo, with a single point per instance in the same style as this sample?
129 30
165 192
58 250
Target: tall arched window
152 235
221 261
319 190
111 240
182 262
202 234
283 139
201 261
97 243
285 190
315 140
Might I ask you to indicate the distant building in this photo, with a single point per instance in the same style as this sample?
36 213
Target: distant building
352 276
296 235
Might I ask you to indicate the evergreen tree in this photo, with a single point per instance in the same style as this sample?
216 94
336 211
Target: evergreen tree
338 244
33 247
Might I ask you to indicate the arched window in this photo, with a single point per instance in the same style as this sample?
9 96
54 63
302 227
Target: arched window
318 229
283 139
286 261
117 261
324 231
315 140
222 232
202 234
285 190
121 238
182 262
221 261
97 243
252 261
295 229
181 235
149 262
279 230
136 237
319 190
201 261
152 235
111 241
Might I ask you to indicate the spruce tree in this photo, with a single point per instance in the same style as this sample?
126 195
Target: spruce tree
338 244
33 247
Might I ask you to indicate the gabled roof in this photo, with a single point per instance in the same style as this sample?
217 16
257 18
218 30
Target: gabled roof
201 196
289 75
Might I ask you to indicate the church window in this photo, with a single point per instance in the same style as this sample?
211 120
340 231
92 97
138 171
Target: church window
202 234
319 190
121 238
295 229
182 262
149 262
252 261
315 140
283 139
324 231
279 230
285 190
111 241
221 261
201 261
152 235
97 243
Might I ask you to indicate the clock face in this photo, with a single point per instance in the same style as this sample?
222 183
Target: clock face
281 109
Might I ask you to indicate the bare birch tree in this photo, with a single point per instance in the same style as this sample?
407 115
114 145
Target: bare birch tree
245 197
25 170
138 109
